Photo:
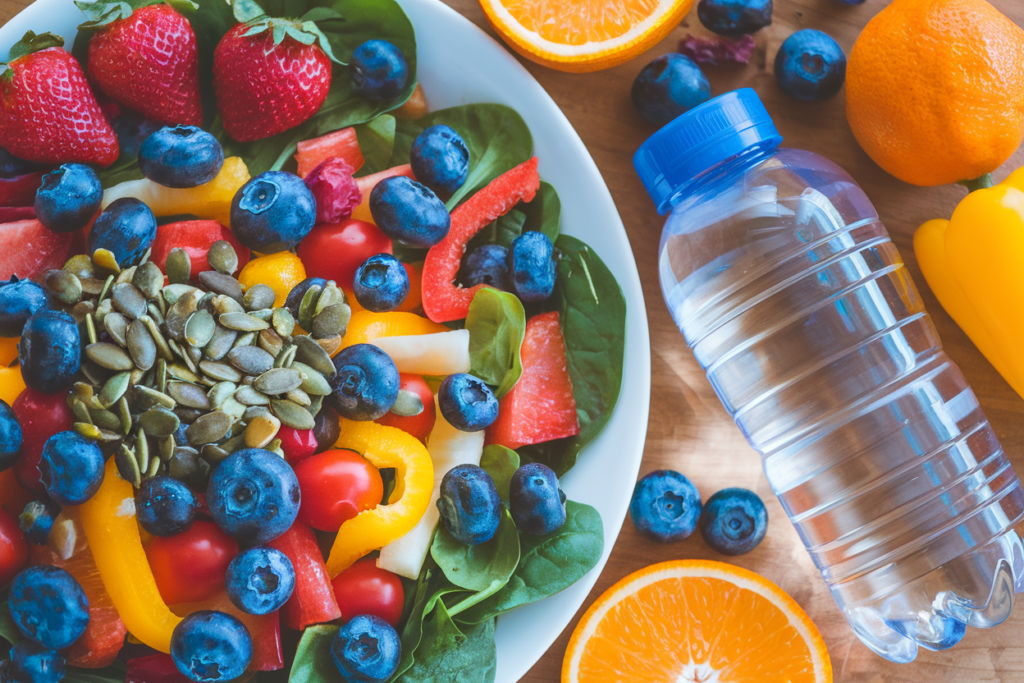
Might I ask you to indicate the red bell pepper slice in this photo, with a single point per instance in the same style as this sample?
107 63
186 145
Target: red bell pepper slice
313 600
20 190
443 300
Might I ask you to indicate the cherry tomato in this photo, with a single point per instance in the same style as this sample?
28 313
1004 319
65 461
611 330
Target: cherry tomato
297 444
13 549
365 588
335 251
417 425
190 566
336 486
41 416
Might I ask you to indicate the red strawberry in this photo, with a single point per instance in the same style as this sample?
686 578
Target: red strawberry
266 78
48 113
146 60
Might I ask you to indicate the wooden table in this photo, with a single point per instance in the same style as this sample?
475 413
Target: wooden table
689 430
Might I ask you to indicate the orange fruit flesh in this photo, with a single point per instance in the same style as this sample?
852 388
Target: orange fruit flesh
581 21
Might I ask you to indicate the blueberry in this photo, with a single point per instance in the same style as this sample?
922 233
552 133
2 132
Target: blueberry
467 403
486 265
810 66
49 351
733 521
536 501
19 299
326 428
165 506
381 283
68 198
12 167
132 129
409 212
49 606
36 520
669 86
179 435
734 17
34 663
379 70
11 436
72 468
366 383
211 646
126 228
531 266
260 580
440 159
253 496
469 504
665 506
272 212
181 156
298 291
366 650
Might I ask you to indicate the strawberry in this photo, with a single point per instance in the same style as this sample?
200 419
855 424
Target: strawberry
269 75
146 60
48 113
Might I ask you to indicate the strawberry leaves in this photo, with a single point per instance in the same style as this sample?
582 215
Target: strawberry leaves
103 12
32 42
304 31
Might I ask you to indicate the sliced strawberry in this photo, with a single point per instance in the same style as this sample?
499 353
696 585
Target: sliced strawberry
313 600
265 630
341 143
20 190
540 407
195 237
30 249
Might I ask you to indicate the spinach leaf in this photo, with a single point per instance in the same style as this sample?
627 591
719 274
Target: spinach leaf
447 653
313 663
501 463
483 568
544 213
548 564
431 587
592 312
8 629
496 135
501 231
376 142
497 324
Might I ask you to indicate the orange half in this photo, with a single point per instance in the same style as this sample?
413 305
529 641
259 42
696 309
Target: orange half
583 35
695 620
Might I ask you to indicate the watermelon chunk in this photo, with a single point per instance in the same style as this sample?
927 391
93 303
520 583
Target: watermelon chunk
195 237
341 143
368 182
540 407
30 249
313 600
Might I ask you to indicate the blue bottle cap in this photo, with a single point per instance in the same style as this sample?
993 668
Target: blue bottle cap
700 139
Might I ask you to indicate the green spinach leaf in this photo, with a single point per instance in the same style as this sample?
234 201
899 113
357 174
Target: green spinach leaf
544 213
376 142
8 629
447 653
431 587
497 324
548 564
482 568
313 663
501 463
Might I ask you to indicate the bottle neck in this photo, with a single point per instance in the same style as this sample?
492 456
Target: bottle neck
749 158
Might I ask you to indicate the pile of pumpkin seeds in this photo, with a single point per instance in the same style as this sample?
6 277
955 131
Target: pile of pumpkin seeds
176 377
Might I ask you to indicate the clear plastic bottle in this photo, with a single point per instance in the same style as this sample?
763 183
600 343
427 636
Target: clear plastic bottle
784 282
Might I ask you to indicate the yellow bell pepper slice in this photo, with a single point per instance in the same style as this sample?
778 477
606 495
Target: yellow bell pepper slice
11 383
112 531
414 471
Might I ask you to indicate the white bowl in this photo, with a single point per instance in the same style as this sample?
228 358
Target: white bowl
458 63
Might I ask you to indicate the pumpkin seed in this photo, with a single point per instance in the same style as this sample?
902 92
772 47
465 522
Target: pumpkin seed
261 431
160 374
283 322
171 293
159 422
275 447
183 464
278 381
233 444
188 395
307 307
331 296
142 450
104 419
65 286
116 326
83 392
243 322
246 339
155 312
82 309
316 402
81 411
148 279
129 300
91 286
221 304
258 296
179 266
232 407
194 353
286 357
222 372
331 321
248 396
137 376
219 393
165 448
263 314
141 345
104 258
154 467
103 309
163 349
213 454
88 430
407 404
220 344
308 351
93 372
312 381
105 290
109 356
145 398
128 466
113 389
254 411
125 275
179 371
270 341
291 414
251 360
124 416
330 345
299 396
187 415
222 284
90 329
208 428
222 257
180 312
180 353
80 265
199 328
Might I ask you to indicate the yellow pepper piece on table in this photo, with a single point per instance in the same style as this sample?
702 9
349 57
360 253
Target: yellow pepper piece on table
414 473
108 519
974 263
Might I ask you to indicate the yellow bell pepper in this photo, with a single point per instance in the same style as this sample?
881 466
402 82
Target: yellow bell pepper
414 476
11 383
112 531
974 263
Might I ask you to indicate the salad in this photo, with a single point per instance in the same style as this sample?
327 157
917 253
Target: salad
291 365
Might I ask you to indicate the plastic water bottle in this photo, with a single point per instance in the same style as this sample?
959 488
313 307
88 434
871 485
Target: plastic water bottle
784 282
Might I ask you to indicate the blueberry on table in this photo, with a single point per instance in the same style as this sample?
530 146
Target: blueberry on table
253 495
379 70
49 351
19 300
211 646
536 501
366 383
366 649
126 228
486 265
733 521
11 436
35 663
260 580
665 506
531 266
165 506
440 159
49 606
469 504
36 521
810 66
272 212
71 467
467 403
381 283
409 212
735 17
68 198
668 87
181 156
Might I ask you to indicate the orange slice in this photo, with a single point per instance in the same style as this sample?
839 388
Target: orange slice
583 35
695 620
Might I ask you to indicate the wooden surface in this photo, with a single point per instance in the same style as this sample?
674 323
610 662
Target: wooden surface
689 430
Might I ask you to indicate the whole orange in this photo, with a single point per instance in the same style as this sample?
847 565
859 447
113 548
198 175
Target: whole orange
935 90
